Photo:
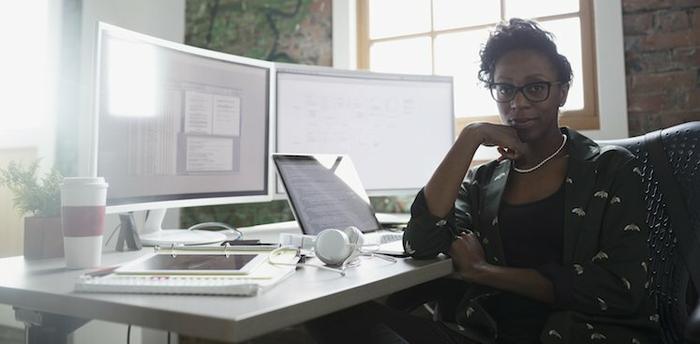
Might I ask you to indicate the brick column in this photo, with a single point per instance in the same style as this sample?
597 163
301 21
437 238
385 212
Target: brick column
662 62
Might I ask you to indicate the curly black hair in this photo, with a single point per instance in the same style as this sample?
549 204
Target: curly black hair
521 34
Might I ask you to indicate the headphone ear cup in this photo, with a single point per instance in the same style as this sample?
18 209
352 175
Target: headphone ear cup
333 246
355 235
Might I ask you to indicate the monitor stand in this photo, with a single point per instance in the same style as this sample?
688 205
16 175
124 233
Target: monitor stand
153 234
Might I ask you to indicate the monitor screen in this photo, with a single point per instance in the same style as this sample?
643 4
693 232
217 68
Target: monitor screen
178 125
396 128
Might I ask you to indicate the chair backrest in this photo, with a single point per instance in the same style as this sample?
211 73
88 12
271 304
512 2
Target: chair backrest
671 177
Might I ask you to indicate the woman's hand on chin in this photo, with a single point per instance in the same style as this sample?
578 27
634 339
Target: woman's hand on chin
468 257
502 136
507 154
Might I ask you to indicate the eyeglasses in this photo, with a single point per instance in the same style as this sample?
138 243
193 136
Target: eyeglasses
534 92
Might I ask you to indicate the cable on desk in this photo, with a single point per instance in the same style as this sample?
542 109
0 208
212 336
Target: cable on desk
354 260
388 258
168 337
276 251
373 253
128 334
227 228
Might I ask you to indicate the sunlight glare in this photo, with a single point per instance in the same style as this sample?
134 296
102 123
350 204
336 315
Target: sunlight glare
448 14
457 54
539 8
132 87
411 19
24 65
567 36
411 56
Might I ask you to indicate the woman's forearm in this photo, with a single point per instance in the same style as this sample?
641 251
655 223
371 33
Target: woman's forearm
525 282
443 187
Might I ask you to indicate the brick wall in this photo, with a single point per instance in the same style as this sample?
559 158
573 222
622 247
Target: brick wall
662 62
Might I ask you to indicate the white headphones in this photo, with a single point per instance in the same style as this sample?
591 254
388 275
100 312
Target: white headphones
334 247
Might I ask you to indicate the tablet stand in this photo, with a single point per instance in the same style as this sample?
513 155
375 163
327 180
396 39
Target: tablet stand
127 234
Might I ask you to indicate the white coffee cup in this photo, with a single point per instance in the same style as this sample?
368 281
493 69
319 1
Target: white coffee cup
83 202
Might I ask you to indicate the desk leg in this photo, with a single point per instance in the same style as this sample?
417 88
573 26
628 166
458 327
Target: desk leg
42 327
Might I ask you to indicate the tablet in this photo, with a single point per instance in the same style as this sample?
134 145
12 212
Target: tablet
193 264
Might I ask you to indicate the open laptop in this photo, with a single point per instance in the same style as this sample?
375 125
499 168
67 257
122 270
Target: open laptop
324 191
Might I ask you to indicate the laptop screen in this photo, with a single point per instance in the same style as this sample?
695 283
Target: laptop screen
324 191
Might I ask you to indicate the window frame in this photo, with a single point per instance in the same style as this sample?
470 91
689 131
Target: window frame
587 118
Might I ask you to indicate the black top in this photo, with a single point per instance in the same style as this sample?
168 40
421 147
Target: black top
532 236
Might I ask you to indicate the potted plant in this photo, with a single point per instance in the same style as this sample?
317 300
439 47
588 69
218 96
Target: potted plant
39 200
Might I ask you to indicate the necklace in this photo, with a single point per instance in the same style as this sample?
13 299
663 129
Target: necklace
528 170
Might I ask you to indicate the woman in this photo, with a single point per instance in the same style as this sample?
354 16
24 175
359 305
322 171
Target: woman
549 240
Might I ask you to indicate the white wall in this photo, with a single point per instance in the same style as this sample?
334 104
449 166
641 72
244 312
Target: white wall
610 63
344 34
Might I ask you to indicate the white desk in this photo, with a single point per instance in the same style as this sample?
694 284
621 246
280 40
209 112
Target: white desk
42 294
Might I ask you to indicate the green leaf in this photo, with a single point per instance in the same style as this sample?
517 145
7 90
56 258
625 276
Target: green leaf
32 195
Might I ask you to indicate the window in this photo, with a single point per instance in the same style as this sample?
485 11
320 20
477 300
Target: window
27 71
27 98
444 37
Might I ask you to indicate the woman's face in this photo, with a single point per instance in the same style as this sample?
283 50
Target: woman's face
536 119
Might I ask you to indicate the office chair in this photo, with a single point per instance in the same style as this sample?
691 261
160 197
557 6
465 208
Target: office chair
693 330
671 180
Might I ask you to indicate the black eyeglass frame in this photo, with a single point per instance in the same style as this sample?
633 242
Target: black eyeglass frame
548 84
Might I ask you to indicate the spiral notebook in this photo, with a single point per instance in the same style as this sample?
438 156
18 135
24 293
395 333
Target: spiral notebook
258 279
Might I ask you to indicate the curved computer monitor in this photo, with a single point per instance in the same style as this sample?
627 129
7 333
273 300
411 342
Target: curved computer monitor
179 126
395 127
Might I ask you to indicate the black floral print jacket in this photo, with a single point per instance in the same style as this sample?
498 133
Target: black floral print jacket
601 284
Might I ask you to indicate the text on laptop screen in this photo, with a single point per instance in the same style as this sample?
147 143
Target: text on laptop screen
325 192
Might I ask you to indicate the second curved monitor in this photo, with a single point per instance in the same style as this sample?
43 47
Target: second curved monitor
396 128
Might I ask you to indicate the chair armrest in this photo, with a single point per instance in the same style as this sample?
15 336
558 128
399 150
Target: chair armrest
693 326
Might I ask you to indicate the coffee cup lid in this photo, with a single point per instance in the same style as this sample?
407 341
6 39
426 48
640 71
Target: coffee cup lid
76 181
